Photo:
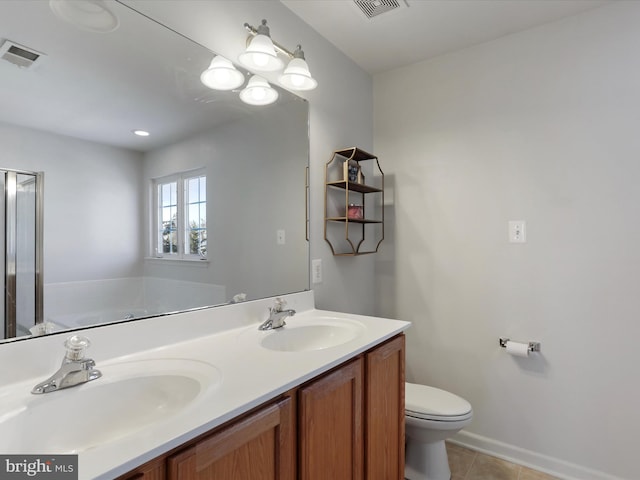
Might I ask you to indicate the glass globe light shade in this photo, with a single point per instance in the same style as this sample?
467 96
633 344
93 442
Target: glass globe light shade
222 75
261 55
297 77
258 92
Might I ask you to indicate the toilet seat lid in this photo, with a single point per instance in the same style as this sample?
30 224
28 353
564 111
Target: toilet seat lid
432 403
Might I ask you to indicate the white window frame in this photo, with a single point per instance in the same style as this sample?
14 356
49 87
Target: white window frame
180 179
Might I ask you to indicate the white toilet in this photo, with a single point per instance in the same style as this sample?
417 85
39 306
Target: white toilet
431 416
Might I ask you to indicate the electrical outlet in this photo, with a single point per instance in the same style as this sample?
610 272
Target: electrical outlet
316 270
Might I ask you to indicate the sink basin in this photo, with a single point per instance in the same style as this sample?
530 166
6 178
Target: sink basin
320 333
129 397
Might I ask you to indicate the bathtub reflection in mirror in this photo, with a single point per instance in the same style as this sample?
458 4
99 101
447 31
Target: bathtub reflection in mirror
71 116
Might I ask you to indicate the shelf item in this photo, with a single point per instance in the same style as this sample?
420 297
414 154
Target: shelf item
355 212
354 202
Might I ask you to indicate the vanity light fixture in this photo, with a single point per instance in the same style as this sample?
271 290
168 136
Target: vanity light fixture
222 75
262 55
258 92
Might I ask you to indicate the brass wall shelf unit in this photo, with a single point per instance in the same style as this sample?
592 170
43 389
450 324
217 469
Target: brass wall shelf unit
353 203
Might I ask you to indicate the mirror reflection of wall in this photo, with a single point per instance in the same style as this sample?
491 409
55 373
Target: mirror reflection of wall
72 117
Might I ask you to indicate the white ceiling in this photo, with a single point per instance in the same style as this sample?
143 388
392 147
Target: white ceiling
421 29
102 86
85 90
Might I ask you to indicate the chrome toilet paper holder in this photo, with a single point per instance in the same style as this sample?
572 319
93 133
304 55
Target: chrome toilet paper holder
533 346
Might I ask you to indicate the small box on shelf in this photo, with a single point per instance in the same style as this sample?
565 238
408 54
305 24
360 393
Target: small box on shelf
355 212
352 172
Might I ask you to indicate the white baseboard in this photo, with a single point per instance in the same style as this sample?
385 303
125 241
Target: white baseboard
537 461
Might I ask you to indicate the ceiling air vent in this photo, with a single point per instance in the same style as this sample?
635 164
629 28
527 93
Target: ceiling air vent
373 8
19 55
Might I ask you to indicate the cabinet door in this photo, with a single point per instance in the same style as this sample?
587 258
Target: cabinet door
330 425
384 450
258 447
154 470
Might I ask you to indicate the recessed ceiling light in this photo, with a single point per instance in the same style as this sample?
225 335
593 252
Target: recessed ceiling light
91 15
141 133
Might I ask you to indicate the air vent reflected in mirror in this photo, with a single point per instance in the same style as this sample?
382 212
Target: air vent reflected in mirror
19 55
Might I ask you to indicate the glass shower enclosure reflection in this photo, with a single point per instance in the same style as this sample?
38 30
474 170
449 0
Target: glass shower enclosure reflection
21 251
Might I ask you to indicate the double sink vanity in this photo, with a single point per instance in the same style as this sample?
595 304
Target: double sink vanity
206 394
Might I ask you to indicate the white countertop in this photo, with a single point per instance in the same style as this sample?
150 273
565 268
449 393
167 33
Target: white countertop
224 337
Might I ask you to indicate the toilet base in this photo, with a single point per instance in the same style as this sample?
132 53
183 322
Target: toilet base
426 461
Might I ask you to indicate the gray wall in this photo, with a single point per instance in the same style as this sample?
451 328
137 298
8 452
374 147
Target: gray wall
93 204
538 126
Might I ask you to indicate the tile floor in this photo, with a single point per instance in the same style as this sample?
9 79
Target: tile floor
467 464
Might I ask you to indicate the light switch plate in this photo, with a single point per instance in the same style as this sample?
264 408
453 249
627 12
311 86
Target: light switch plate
517 231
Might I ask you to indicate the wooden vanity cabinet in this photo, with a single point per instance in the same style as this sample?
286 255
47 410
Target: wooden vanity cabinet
258 447
331 428
153 470
384 424
347 424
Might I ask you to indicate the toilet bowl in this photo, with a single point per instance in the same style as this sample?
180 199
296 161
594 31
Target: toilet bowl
431 416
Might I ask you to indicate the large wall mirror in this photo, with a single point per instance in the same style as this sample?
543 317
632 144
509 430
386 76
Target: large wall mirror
110 201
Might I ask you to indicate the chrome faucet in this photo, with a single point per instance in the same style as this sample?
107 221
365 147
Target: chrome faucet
277 316
75 369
